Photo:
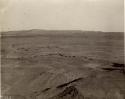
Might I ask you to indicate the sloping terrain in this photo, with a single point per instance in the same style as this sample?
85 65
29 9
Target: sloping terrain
64 65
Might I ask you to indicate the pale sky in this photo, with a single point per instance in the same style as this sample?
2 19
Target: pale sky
96 15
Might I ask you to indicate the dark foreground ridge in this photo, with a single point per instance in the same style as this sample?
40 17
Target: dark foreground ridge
69 93
65 84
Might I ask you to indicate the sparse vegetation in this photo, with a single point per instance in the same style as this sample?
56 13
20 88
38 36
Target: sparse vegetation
63 65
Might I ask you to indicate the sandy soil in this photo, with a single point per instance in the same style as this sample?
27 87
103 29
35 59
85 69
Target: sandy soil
62 65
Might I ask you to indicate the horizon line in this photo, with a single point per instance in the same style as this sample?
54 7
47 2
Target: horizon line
60 30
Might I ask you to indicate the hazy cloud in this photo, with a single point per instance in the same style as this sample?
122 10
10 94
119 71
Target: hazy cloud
105 15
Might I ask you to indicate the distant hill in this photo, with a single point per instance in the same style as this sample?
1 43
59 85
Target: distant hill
40 32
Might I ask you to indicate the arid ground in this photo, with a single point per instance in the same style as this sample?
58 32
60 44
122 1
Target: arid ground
41 64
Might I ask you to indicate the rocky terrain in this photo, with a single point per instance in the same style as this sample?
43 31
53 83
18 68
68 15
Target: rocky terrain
40 64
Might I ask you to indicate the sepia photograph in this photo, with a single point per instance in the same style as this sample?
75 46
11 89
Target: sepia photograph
62 49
